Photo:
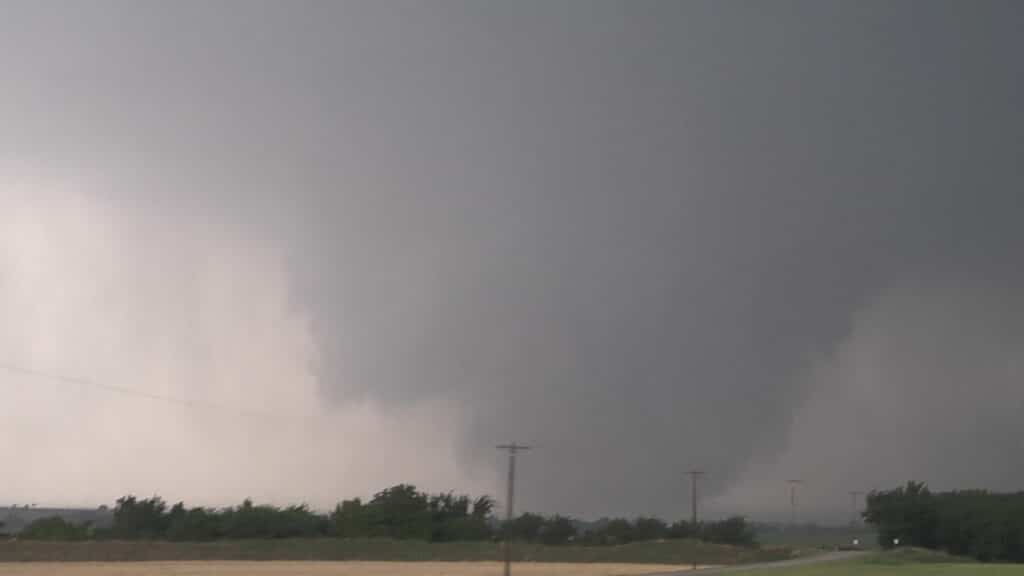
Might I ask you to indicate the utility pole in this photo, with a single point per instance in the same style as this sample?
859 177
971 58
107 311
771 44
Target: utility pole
694 476
854 494
512 450
792 500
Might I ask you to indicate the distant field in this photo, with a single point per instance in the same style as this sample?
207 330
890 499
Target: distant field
675 552
325 569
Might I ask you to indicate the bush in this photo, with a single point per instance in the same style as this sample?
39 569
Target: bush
734 531
610 533
526 527
683 529
249 521
557 530
54 528
196 525
649 529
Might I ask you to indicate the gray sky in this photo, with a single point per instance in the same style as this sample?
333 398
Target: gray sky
766 239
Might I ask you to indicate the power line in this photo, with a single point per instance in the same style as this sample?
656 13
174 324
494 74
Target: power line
124 391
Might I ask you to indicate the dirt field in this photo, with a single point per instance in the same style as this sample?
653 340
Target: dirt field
677 552
324 569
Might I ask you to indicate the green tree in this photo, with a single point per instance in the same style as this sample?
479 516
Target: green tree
483 507
683 529
908 514
451 519
196 524
525 527
619 531
734 531
139 519
351 519
250 521
401 512
54 528
557 530
649 529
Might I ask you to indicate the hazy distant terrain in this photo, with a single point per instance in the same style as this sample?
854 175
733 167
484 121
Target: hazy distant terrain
14 519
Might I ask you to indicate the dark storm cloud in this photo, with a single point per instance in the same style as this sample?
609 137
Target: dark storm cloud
628 232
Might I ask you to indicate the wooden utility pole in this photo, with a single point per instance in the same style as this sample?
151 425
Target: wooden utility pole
792 500
512 450
694 476
854 494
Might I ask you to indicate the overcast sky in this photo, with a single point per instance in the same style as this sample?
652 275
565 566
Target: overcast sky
371 240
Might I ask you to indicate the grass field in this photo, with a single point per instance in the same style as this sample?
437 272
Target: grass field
325 569
677 552
901 563
816 536
861 568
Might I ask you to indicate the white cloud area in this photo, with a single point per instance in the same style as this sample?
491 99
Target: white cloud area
124 297
927 386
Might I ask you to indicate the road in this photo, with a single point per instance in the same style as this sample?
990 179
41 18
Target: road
816 559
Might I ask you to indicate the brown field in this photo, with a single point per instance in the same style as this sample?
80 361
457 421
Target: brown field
676 553
324 569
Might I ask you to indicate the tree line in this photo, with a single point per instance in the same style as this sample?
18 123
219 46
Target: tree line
984 525
616 531
401 512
